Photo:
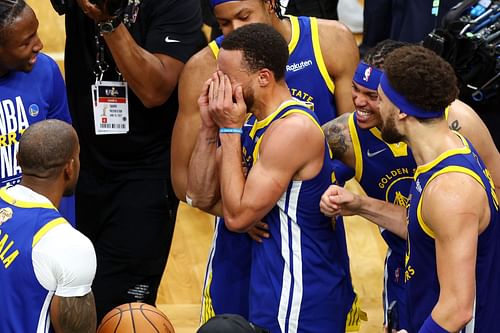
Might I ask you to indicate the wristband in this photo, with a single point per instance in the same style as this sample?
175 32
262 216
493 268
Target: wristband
230 130
189 201
430 326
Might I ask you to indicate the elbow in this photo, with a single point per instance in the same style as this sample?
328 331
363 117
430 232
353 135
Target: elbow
204 203
151 100
463 316
235 225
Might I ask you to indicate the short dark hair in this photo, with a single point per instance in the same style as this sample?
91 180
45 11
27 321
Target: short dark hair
9 11
422 77
376 55
45 147
262 47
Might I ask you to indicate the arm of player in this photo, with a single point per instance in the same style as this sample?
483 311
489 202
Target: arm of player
339 201
339 139
292 148
185 133
203 183
464 119
73 314
151 76
341 57
455 208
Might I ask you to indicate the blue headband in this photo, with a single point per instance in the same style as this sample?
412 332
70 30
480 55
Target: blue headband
402 103
367 76
214 3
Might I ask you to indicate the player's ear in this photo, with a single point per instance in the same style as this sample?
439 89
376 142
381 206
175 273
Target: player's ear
265 76
69 169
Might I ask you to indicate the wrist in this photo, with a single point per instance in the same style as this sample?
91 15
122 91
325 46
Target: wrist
430 326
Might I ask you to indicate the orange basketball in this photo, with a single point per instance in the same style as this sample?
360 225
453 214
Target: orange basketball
135 318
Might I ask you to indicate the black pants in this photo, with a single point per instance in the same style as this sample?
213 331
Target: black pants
130 223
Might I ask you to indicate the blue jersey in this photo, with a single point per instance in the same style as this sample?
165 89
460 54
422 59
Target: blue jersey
385 171
26 98
25 303
298 278
228 270
422 283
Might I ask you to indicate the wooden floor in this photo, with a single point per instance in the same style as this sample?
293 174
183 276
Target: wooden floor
180 291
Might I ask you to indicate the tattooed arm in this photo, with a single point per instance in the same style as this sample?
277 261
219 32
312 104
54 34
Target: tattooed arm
463 118
73 314
339 139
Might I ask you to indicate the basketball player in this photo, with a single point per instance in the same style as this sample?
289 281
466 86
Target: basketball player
32 88
298 281
311 76
47 266
385 171
451 268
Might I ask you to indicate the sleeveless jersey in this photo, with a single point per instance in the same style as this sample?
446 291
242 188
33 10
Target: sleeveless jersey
298 278
25 302
385 171
422 284
228 270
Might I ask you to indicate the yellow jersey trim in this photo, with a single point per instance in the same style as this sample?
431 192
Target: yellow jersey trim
319 56
463 150
215 48
294 39
356 146
398 149
265 122
23 204
451 168
46 228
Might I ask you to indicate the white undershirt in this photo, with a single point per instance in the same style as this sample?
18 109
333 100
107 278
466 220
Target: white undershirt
64 259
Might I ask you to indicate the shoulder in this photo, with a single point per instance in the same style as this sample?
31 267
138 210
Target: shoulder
299 128
201 62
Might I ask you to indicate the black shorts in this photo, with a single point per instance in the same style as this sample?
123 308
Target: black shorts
130 223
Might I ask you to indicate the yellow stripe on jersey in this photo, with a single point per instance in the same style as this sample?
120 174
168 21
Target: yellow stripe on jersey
295 34
207 309
398 149
356 145
23 204
263 123
319 55
46 228
451 168
215 48
463 150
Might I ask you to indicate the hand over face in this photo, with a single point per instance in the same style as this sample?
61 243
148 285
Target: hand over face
226 104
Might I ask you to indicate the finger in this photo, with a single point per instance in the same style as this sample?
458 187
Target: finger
254 236
215 79
238 96
261 233
263 225
220 89
228 90
210 90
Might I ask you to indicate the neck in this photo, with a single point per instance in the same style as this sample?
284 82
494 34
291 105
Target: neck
48 188
284 27
270 100
429 140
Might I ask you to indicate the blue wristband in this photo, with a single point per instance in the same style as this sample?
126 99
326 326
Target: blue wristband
230 130
430 326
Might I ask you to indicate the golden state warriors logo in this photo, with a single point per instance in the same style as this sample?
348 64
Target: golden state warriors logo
5 215
368 73
397 188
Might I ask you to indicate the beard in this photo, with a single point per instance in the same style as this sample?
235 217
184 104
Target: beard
248 97
389 131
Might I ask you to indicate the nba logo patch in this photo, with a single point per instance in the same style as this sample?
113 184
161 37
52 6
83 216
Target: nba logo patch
5 214
34 110
368 72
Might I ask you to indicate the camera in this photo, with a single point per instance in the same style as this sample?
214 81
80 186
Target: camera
111 7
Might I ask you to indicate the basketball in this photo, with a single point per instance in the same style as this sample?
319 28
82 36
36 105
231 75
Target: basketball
135 318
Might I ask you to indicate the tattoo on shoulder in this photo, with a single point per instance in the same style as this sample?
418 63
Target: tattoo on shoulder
455 125
78 314
335 132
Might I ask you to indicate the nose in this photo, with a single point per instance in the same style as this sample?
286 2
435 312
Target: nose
359 99
38 45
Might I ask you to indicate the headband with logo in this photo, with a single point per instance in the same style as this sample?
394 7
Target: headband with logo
403 104
214 3
367 76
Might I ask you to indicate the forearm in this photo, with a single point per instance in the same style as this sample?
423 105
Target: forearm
232 183
203 180
384 214
73 314
144 72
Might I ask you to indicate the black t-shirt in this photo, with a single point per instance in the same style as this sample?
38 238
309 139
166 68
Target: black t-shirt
144 152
